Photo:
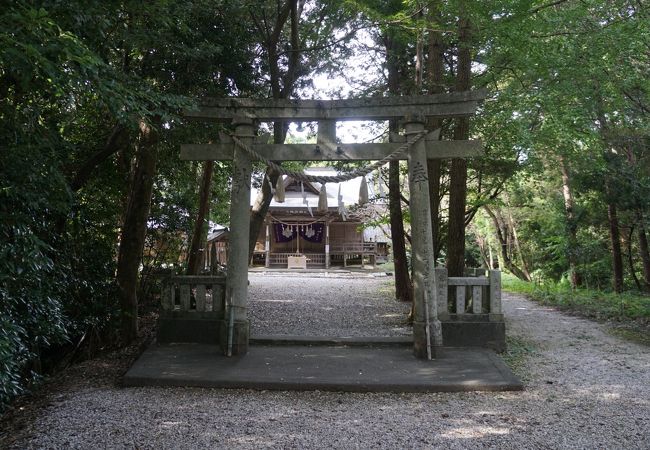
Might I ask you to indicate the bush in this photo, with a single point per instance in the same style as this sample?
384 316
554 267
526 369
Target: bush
54 286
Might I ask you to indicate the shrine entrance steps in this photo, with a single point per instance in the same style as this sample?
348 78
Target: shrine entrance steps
354 366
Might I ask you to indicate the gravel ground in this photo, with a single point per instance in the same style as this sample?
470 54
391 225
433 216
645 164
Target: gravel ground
584 389
308 306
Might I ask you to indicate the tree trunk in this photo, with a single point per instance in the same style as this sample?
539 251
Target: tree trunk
117 140
617 256
134 229
434 172
500 231
482 246
571 225
630 259
261 207
419 56
515 239
261 204
435 86
281 87
403 287
643 249
456 228
194 258
458 173
612 215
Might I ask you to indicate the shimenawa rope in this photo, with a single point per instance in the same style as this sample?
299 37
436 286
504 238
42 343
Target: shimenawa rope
300 176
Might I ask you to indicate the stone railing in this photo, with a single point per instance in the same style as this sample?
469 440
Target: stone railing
204 294
192 309
478 293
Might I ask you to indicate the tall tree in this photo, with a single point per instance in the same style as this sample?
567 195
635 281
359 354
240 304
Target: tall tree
458 171
571 224
295 41
505 235
435 85
611 199
403 286
615 240
135 227
397 75
281 85
643 249
199 233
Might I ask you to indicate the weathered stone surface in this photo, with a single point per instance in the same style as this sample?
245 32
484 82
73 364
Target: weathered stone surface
196 328
425 303
420 337
474 334
237 280
452 104
240 337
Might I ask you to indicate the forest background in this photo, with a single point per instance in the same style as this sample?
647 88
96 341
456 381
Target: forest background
91 95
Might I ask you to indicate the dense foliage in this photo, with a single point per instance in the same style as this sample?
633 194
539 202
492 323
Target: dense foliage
574 79
562 194
75 79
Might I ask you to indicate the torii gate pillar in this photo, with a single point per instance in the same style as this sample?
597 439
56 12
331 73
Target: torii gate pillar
235 329
427 331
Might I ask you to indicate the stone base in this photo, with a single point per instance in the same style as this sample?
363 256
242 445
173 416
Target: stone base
240 337
194 327
420 340
460 333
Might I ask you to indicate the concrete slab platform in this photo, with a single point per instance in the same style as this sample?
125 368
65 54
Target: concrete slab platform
351 341
328 368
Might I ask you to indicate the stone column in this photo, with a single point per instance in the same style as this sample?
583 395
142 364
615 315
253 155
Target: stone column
327 244
234 331
327 136
426 326
326 132
267 246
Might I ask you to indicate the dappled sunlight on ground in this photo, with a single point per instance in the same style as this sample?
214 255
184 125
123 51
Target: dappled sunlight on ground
584 389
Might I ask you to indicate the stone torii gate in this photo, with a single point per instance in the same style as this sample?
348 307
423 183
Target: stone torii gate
416 146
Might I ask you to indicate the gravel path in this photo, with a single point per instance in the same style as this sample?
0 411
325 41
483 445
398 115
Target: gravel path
313 306
585 389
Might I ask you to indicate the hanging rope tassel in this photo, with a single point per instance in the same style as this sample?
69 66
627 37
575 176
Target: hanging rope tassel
363 191
322 199
300 176
372 186
271 188
304 199
279 190
342 211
